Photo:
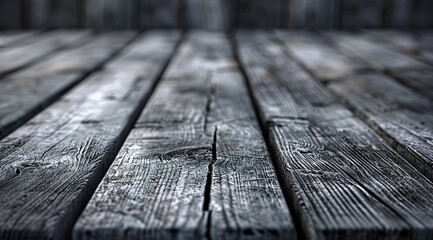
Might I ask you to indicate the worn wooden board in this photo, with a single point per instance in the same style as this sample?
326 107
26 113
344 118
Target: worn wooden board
159 14
52 164
336 171
27 92
379 57
12 37
195 164
325 62
421 80
17 57
49 13
111 14
398 114
81 59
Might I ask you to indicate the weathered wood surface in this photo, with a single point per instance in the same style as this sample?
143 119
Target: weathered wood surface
341 180
16 57
8 38
378 56
27 92
52 164
195 165
323 60
397 113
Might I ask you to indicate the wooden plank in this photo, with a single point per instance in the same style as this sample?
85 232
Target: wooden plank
82 59
212 15
52 164
12 37
377 56
20 56
195 164
11 15
337 173
27 92
421 80
48 13
358 14
111 14
322 60
159 13
397 113
258 13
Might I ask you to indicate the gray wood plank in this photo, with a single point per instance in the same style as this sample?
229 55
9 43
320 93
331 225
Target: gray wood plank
111 14
17 57
27 92
324 61
379 57
51 165
212 15
12 37
81 59
397 113
342 181
49 14
258 13
159 13
421 80
358 14
195 164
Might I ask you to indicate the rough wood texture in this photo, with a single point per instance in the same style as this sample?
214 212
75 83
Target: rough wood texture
337 173
16 57
378 56
398 114
27 92
195 164
324 61
51 165
420 80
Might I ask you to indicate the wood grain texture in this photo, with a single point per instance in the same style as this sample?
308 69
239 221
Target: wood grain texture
379 57
195 164
111 14
397 113
323 60
53 13
52 164
159 14
27 92
421 80
13 37
336 172
17 57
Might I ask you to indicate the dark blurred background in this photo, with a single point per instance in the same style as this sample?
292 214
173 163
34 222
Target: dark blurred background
215 14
